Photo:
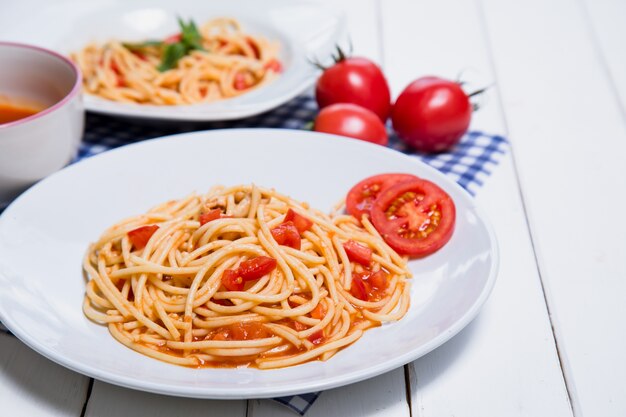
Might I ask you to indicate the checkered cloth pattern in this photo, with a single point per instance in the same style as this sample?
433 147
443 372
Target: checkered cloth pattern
469 163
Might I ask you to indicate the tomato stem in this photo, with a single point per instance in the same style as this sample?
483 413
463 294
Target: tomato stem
477 92
341 55
317 64
476 106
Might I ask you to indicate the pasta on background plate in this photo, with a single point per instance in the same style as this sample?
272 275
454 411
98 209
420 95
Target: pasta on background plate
198 65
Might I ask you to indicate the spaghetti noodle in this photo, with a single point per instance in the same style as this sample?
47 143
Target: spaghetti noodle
242 276
217 61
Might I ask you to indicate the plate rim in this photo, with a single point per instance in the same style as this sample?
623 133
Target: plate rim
264 391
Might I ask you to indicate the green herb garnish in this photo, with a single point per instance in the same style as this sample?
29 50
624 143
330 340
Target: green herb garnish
190 36
173 52
188 40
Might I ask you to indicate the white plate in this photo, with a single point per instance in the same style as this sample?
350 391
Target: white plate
304 31
45 232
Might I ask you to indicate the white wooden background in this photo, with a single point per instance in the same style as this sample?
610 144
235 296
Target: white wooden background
551 339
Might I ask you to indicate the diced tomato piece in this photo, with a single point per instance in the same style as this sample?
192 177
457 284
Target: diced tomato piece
369 286
318 312
358 253
287 234
358 289
232 281
317 337
240 81
256 268
139 237
115 68
248 331
177 37
209 216
255 48
273 65
118 74
139 55
302 223
378 280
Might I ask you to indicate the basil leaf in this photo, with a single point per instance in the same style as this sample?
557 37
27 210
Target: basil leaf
173 52
190 35
190 39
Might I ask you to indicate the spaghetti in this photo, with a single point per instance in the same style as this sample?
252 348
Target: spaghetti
217 61
242 276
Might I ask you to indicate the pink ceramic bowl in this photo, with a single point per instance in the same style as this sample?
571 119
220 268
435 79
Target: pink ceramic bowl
36 146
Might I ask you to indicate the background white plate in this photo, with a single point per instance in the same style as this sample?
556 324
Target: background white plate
45 232
304 31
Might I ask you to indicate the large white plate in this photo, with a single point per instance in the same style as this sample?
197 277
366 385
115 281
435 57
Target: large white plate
304 30
45 232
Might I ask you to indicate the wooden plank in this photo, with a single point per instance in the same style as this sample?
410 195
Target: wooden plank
111 400
381 396
384 395
569 137
31 385
505 362
606 28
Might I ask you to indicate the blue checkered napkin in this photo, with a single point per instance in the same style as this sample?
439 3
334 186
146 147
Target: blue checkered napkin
469 163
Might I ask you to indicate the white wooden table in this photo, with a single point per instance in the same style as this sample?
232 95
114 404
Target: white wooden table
551 339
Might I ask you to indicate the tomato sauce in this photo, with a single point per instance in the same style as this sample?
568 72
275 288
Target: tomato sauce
10 112
249 331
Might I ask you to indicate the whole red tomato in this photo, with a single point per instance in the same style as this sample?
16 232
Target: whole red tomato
355 80
347 119
431 114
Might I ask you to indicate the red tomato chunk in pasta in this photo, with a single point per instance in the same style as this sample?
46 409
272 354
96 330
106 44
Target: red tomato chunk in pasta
240 331
139 237
358 253
287 234
250 270
209 216
302 223
369 286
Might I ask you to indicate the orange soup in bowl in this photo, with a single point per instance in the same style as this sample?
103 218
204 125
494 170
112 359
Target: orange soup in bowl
12 110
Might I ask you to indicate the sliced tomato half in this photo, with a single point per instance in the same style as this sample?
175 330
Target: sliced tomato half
415 218
361 197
